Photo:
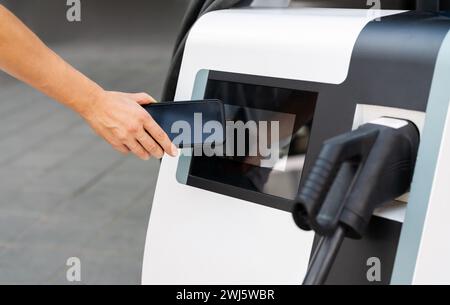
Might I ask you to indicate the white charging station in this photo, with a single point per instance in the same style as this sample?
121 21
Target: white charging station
209 226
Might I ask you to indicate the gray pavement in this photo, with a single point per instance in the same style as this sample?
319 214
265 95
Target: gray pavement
63 191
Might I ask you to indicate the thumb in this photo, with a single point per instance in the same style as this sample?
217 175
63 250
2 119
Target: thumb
143 98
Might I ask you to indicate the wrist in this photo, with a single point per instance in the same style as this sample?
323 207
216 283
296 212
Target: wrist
86 107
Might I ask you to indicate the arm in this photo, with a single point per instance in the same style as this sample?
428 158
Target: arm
115 116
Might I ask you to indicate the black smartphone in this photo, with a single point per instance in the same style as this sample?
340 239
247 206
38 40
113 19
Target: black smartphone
190 123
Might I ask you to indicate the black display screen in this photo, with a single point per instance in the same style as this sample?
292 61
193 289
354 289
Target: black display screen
288 116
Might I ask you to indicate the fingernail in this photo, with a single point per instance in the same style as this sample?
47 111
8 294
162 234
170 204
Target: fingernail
174 150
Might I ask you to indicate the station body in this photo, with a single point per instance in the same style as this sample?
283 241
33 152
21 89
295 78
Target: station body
320 72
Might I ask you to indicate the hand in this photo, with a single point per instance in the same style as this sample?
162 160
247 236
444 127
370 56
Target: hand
122 122
115 116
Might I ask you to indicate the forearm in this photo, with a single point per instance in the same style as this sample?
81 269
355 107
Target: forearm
115 116
24 56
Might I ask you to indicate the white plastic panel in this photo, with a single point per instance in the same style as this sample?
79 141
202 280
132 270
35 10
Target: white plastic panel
201 237
433 261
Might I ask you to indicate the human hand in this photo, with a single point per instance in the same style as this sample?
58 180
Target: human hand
121 121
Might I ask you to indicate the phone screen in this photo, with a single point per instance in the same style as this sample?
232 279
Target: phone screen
190 123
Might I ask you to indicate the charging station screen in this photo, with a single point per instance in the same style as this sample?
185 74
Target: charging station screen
267 135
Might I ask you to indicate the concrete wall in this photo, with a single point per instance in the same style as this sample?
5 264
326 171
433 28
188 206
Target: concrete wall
135 19
101 19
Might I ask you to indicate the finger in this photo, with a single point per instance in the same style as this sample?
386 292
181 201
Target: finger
116 144
160 136
138 150
150 145
143 98
121 148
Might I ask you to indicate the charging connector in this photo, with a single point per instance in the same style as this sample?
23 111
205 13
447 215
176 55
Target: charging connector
354 174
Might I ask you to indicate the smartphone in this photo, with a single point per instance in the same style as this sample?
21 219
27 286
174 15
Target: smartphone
184 122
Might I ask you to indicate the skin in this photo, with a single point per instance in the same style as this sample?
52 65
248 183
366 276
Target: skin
115 116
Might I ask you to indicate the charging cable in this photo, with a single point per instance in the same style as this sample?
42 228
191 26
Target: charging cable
196 9
354 174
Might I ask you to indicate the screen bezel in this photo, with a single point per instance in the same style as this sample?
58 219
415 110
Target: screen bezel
231 190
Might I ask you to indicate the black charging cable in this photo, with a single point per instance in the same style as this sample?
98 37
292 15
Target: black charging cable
191 15
428 5
327 247
197 9
354 174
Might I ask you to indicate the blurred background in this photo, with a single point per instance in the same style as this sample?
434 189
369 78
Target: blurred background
63 191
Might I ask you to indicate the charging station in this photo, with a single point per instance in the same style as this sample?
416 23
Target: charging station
320 73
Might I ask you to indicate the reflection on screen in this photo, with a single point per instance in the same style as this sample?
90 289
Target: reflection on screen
292 109
260 144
